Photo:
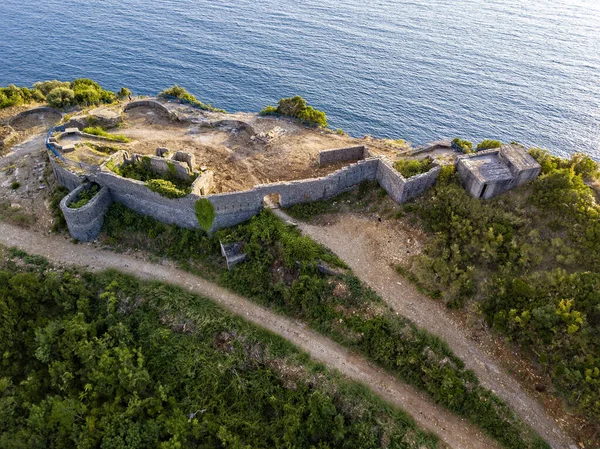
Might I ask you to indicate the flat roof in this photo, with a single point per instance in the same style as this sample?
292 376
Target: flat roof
518 158
487 167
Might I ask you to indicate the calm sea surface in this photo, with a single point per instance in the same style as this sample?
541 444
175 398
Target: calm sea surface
525 70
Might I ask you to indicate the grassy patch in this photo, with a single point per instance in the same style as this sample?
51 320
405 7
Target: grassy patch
85 197
98 131
15 215
296 107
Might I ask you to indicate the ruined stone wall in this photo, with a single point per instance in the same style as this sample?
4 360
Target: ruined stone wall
40 110
417 185
65 176
204 183
342 155
148 104
85 222
236 207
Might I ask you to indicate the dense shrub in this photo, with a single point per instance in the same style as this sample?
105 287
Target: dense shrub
184 95
123 93
296 107
61 97
463 146
488 144
413 167
58 94
106 361
282 273
531 255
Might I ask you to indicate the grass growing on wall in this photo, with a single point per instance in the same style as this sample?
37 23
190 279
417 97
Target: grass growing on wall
413 167
282 273
205 213
104 360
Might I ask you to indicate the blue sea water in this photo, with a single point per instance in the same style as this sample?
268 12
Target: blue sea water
524 70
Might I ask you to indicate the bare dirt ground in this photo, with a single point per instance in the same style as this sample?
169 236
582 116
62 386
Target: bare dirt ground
453 431
371 249
27 165
238 158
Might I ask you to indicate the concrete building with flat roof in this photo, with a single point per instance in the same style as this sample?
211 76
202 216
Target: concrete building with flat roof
488 173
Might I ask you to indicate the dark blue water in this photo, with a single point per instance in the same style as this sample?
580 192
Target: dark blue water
525 70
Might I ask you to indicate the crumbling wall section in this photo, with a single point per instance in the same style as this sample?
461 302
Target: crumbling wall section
419 184
335 155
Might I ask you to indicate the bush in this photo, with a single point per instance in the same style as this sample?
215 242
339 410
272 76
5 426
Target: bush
463 146
123 93
413 167
87 96
205 213
61 97
296 107
165 188
488 144
15 185
184 95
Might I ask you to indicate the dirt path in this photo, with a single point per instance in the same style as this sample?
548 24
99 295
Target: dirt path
369 248
454 431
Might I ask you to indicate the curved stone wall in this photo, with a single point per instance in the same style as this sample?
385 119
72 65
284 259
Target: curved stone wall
148 104
35 111
85 222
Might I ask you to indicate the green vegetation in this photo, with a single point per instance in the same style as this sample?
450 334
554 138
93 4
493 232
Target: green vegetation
165 188
530 258
413 167
185 96
464 146
205 213
85 196
166 184
58 219
123 93
58 94
488 144
98 131
15 185
107 361
282 273
14 214
340 132
296 107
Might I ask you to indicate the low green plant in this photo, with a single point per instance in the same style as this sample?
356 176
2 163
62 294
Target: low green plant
15 185
413 167
488 144
58 219
85 197
205 213
98 131
296 107
165 188
463 146
123 93
182 94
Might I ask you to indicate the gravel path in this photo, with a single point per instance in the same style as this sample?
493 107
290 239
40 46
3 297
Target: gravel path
454 431
370 248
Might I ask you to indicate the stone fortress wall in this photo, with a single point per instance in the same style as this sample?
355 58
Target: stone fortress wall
230 208
236 207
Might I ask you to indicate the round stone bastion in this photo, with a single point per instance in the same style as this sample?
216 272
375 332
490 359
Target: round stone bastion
84 223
